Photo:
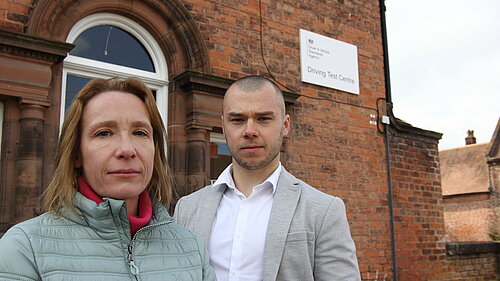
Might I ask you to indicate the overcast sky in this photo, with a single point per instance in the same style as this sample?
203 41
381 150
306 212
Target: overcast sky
445 66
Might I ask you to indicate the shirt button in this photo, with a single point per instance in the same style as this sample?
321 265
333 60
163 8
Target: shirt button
234 272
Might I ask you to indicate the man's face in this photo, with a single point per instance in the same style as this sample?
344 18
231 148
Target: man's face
254 127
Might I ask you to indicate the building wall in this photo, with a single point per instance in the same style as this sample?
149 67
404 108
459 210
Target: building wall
494 172
474 260
332 146
468 217
476 267
418 214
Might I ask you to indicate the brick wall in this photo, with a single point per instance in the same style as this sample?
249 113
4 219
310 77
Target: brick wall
419 225
14 14
329 152
476 261
468 217
476 267
231 30
332 145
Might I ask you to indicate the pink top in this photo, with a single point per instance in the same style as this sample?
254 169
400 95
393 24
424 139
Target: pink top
136 222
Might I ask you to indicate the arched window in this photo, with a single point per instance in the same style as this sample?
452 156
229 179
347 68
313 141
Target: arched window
109 45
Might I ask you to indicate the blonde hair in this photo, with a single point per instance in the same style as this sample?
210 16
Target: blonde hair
61 189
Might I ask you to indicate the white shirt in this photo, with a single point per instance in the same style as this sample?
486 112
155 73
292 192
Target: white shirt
236 245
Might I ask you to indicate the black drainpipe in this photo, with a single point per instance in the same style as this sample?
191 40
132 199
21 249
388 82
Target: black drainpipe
388 99
386 53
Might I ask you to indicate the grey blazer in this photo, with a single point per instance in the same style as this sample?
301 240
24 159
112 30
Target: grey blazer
308 236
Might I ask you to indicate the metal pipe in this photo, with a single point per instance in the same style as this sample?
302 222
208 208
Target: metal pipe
388 94
391 204
386 138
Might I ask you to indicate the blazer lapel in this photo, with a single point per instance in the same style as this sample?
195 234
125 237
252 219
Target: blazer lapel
284 204
206 211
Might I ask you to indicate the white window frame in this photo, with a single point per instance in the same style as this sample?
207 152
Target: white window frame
217 138
89 68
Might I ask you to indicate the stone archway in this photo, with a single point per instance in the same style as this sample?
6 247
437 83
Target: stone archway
168 21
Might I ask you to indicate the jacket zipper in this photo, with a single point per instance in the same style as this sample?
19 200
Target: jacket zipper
130 257
133 268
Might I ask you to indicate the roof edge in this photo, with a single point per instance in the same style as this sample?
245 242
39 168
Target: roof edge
401 128
467 193
495 141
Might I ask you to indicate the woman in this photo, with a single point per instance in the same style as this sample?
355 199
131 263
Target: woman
106 217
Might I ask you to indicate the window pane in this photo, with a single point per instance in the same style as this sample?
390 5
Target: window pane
219 159
222 149
73 85
111 44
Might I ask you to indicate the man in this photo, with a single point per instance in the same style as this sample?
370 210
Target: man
258 220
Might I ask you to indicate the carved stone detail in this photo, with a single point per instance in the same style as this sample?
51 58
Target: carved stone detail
22 45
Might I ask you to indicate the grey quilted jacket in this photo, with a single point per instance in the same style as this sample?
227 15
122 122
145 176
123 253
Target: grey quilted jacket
97 246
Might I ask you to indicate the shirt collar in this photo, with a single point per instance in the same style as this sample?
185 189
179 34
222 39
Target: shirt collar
226 178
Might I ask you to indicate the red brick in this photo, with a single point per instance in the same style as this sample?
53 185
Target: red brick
332 145
14 7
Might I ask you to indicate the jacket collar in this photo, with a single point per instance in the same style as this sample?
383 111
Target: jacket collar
285 202
109 216
207 209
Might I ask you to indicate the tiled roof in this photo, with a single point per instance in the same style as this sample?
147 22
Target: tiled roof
464 169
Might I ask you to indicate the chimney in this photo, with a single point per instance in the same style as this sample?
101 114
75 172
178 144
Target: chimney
470 139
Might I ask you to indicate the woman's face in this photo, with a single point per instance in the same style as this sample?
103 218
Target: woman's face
116 147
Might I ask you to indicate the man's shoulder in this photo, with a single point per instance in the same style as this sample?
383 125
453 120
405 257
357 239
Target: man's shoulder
196 194
188 207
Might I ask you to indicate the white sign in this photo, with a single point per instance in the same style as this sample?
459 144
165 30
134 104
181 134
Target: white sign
328 62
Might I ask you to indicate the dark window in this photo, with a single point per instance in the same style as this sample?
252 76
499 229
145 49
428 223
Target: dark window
220 158
111 44
73 85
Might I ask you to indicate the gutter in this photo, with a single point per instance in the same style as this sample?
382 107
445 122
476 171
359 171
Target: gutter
466 194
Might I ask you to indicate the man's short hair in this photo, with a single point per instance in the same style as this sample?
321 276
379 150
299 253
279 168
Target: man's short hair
253 83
